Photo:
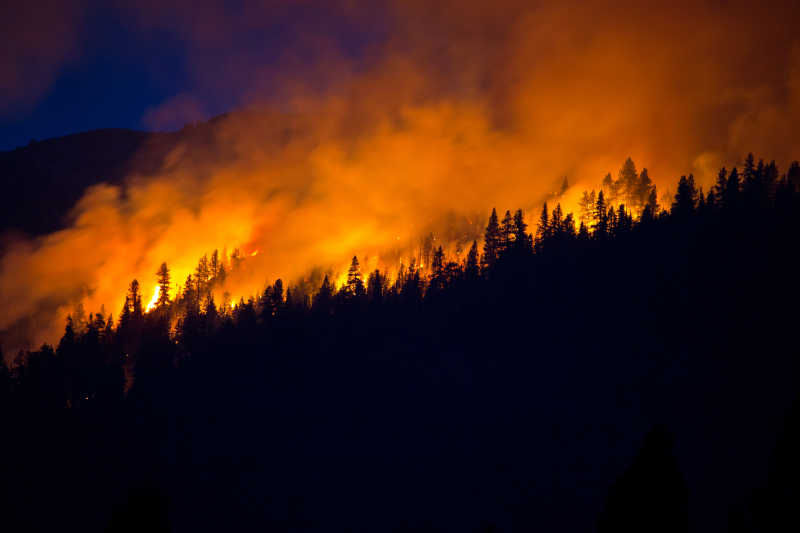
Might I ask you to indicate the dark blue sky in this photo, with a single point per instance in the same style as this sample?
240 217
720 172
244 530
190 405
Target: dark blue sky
110 84
126 61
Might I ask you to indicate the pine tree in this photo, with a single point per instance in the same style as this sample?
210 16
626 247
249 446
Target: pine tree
135 299
611 188
586 206
214 265
557 222
202 273
324 297
701 201
438 278
543 230
568 227
628 182
793 176
730 198
190 296
521 238
583 232
685 198
652 201
624 222
643 190
471 268
506 232
611 217
355 285
491 241
600 217
67 341
711 201
769 179
377 285
163 285
749 174
721 186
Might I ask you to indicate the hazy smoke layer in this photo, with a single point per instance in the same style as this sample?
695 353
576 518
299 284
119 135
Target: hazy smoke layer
410 117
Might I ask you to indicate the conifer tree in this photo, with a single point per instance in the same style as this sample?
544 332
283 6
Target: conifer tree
202 278
583 232
471 268
586 205
623 220
643 190
732 188
163 285
652 201
437 271
793 176
355 285
711 200
491 241
543 229
568 227
749 171
628 182
721 186
506 232
324 297
701 201
611 188
521 238
135 299
600 216
557 222
376 286
190 296
611 218
214 265
685 198
202 273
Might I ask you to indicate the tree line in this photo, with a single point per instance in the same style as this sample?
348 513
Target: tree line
690 281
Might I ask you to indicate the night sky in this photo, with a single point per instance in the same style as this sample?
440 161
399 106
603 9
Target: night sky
76 66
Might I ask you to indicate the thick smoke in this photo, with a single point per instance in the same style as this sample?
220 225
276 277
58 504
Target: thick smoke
440 112
39 38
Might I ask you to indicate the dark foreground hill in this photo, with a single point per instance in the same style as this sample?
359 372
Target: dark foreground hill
636 377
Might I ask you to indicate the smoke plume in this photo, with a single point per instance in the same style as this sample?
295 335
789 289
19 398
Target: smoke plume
368 125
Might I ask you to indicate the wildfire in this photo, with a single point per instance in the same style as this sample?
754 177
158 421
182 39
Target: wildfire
154 300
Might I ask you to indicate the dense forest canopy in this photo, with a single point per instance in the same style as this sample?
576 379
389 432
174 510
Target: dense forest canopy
653 314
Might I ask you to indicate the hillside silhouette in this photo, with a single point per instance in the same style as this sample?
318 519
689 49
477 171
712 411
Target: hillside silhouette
622 369
43 180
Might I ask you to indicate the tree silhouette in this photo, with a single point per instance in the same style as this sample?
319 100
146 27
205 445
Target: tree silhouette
492 241
628 182
163 286
506 232
355 285
601 222
472 266
543 230
685 198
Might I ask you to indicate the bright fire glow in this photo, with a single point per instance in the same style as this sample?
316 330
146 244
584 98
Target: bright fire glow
154 300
